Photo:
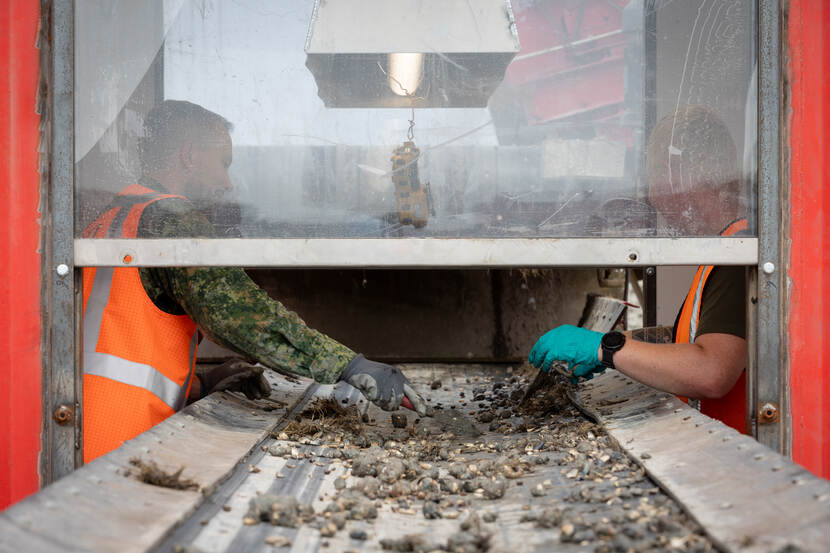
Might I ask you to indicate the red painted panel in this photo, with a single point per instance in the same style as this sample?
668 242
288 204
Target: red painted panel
571 61
20 321
809 230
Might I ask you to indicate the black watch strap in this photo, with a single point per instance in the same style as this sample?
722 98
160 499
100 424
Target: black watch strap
611 343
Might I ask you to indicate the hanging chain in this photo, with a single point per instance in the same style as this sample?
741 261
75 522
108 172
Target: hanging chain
410 134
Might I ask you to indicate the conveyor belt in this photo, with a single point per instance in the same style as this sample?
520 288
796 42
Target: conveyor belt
746 497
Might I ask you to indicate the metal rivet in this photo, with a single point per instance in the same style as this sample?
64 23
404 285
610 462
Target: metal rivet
768 267
62 269
650 271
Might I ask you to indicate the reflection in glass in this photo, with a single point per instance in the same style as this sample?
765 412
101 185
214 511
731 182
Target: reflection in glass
556 148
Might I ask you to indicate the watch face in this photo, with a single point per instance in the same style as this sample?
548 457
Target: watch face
613 340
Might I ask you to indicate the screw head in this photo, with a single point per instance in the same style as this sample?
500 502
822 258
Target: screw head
62 269
650 271
768 267
632 256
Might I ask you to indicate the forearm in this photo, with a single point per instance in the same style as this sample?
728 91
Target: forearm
706 369
233 311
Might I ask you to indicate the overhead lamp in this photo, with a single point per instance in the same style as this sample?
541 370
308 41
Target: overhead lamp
409 53
405 72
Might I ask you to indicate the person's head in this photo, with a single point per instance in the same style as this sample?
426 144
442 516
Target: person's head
188 149
692 171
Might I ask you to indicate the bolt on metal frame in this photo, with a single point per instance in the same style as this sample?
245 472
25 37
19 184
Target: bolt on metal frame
62 355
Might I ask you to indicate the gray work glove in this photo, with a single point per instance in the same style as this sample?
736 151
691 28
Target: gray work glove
236 375
383 385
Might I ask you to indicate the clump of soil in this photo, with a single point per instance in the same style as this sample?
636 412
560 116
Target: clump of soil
326 415
550 398
150 473
279 510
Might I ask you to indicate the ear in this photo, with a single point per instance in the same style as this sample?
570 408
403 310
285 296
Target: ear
186 155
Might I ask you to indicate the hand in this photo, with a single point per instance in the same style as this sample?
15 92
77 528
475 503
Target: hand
236 375
579 347
383 385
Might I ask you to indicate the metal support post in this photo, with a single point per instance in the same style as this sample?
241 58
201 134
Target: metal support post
770 403
62 402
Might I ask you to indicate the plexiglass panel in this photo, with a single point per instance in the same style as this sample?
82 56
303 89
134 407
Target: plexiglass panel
421 118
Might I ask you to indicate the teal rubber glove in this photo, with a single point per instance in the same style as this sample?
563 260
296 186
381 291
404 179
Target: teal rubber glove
572 344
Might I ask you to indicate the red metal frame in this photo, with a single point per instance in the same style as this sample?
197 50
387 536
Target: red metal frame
809 232
20 300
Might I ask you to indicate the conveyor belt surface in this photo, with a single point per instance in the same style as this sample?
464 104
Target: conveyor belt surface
569 484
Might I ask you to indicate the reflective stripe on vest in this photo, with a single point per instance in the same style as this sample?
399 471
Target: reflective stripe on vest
121 370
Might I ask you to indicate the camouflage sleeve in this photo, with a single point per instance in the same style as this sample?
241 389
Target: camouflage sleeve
230 308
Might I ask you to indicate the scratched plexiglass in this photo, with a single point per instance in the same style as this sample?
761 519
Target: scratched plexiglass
572 119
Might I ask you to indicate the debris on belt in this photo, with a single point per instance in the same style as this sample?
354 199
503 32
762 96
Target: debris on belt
568 476
150 473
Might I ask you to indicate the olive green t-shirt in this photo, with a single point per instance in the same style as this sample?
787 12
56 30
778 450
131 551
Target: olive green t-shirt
723 306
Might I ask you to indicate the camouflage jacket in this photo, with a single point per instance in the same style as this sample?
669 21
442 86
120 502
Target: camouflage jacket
228 307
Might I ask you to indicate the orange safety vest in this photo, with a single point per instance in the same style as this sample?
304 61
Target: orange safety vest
138 360
731 408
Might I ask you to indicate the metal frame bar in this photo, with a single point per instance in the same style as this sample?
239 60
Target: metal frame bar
773 429
61 422
416 252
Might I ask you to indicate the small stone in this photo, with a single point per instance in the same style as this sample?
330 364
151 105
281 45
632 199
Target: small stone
494 488
645 456
538 491
399 420
549 518
280 449
328 530
278 541
404 544
566 532
431 511
338 520
435 384
339 483
249 521
226 508
489 516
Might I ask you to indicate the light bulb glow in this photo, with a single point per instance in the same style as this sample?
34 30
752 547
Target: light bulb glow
406 70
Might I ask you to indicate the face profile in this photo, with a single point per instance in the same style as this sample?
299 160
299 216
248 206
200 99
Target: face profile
692 171
189 150
210 160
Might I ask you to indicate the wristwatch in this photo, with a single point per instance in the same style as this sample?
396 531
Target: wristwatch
611 343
